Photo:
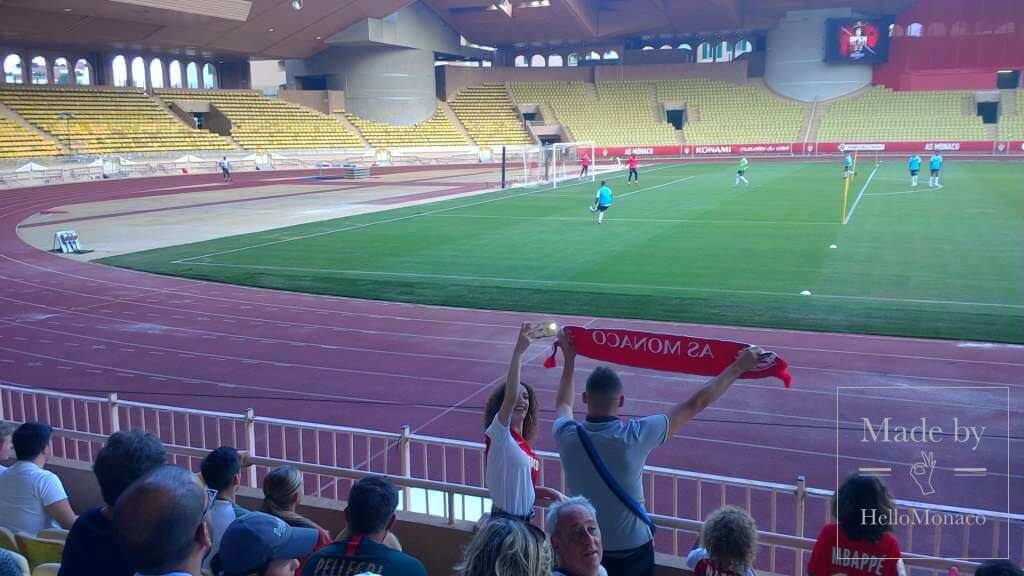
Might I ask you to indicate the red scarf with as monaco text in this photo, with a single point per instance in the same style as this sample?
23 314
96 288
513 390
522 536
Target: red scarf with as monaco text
667 352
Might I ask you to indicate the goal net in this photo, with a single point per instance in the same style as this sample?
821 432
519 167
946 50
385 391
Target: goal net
558 164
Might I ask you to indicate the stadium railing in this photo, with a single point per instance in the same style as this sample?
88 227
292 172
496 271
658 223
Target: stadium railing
444 477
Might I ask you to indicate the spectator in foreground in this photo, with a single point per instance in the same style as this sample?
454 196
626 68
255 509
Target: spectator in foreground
513 470
729 539
159 523
259 544
854 544
33 499
282 492
8 565
6 447
575 538
222 471
998 568
370 516
506 547
622 449
91 546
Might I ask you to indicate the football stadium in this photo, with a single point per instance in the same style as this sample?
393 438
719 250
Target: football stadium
511 287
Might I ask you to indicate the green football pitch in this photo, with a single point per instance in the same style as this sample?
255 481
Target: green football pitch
685 245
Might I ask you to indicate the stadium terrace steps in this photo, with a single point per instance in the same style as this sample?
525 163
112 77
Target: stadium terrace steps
488 116
882 115
259 122
434 131
20 139
106 120
1011 125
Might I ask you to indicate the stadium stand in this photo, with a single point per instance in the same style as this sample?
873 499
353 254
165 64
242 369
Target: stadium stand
259 122
435 131
16 141
107 120
487 113
618 113
723 113
882 115
1011 126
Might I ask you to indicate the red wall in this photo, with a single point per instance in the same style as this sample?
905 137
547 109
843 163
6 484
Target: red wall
961 47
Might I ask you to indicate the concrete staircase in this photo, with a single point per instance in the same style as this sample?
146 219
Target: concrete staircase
340 117
812 121
454 119
17 119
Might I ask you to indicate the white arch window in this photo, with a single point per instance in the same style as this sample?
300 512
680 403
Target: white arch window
648 47
555 61
120 67
537 61
61 71
742 47
192 75
895 31
138 72
611 55
685 46
915 30
12 69
665 47
174 72
723 52
936 29
38 70
705 52
593 56
521 61
156 73
83 72
209 76
573 59
486 64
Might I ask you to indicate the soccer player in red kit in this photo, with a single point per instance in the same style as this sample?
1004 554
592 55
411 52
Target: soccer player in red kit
633 178
584 166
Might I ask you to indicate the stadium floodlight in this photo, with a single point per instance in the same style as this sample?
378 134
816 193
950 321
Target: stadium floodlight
296 5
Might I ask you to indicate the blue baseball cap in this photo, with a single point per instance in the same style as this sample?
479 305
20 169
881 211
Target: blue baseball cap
254 539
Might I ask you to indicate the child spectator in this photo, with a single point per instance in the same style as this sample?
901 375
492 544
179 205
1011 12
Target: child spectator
852 545
729 539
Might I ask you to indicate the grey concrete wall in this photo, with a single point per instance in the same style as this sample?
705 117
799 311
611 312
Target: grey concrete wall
794 64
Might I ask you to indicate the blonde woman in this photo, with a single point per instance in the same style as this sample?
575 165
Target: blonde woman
729 539
282 492
506 547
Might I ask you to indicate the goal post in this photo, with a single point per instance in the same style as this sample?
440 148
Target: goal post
552 165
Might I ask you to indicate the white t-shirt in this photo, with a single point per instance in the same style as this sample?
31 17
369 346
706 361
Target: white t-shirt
509 472
222 514
26 490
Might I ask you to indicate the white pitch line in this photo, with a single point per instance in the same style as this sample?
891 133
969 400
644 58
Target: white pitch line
656 187
374 223
859 196
651 220
918 191
497 279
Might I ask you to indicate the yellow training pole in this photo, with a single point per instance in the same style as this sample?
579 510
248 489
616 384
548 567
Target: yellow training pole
846 191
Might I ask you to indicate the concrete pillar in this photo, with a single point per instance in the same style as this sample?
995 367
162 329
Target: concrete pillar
394 85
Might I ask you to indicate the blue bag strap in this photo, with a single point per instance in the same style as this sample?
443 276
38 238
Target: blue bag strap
613 485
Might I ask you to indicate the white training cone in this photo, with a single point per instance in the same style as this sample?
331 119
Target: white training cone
805 293
833 246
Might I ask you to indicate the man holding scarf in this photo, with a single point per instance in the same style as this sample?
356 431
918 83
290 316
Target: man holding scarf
621 448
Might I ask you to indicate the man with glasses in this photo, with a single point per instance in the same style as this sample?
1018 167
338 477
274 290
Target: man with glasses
160 523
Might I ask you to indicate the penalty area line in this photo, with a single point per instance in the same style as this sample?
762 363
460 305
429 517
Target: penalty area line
859 196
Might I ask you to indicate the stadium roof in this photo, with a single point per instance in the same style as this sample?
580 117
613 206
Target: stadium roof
273 29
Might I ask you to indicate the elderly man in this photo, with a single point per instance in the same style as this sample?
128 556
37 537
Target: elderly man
575 538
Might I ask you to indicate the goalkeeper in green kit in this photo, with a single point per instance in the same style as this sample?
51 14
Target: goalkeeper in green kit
740 173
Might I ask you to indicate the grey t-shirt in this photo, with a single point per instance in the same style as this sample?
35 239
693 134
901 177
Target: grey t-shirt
623 446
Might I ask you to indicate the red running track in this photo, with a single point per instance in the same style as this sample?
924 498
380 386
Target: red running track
83 327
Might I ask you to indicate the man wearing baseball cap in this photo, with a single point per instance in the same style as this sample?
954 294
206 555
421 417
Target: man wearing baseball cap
259 544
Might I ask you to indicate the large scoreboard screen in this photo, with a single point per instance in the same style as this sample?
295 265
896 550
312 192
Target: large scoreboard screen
857 40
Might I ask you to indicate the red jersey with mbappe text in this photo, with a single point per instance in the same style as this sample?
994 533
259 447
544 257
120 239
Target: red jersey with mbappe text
835 554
